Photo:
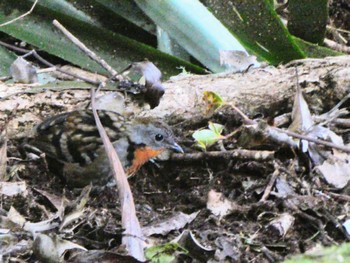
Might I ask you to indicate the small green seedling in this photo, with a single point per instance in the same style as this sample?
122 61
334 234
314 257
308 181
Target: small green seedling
207 137
164 253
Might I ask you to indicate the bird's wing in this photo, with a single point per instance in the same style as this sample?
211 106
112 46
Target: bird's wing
73 136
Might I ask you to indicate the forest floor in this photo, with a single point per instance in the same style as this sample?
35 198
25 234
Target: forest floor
248 198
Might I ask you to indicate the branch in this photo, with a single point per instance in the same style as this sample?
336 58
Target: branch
87 51
21 16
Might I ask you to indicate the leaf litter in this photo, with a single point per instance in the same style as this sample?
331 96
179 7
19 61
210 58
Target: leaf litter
218 218
212 209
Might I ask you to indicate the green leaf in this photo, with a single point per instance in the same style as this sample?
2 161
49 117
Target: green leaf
207 137
117 50
257 26
194 28
316 51
129 11
7 58
334 253
123 17
308 19
164 253
216 128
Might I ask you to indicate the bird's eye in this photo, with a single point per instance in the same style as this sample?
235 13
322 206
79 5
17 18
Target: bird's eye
159 137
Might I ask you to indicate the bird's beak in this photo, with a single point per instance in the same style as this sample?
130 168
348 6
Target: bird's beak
177 148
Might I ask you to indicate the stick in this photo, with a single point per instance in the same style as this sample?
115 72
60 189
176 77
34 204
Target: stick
21 16
239 154
87 51
318 141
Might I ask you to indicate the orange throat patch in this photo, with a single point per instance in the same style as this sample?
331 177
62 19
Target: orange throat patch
141 156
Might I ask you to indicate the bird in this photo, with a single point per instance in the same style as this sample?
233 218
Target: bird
73 146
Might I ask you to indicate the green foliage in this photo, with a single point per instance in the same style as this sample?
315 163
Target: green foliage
124 31
194 28
314 50
119 51
7 58
308 19
207 137
258 27
334 254
165 253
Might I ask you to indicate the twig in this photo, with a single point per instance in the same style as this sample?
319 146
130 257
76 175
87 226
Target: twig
336 46
272 133
336 223
87 51
268 130
336 107
270 184
284 119
318 141
342 197
47 63
14 48
289 204
35 90
338 29
339 122
246 119
239 154
42 60
21 16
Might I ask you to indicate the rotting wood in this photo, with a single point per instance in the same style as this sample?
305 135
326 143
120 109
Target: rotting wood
265 91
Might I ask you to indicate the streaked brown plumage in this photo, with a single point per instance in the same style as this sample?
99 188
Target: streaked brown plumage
73 140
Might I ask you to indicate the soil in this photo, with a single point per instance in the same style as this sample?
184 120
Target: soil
260 192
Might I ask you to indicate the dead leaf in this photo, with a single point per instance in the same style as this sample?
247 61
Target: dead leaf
13 247
55 200
218 204
335 172
41 226
113 101
301 116
52 249
197 251
346 225
282 223
77 208
236 61
3 155
229 247
319 153
283 187
13 188
152 75
16 217
213 101
176 222
133 236
22 71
